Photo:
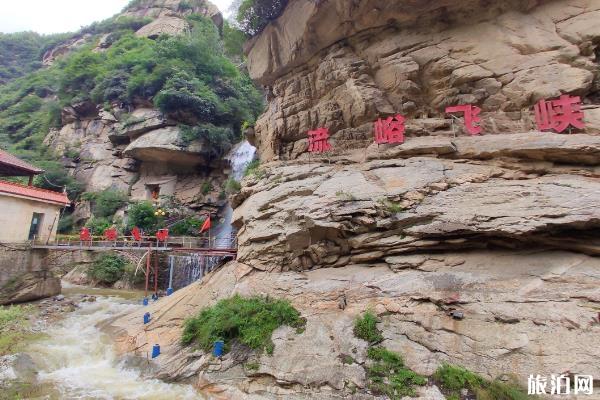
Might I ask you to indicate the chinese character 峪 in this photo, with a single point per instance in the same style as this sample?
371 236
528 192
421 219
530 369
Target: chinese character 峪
390 130
471 117
584 384
559 114
536 384
318 141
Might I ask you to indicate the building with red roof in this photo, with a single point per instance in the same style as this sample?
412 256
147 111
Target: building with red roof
27 212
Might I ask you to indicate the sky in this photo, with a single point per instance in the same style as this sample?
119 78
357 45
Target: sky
55 16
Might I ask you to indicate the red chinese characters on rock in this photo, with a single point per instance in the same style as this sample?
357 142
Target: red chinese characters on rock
318 141
390 130
559 114
471 113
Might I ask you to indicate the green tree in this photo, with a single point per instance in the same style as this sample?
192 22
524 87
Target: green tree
142 215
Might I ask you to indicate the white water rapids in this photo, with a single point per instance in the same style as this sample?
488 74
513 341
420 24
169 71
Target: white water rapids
78 360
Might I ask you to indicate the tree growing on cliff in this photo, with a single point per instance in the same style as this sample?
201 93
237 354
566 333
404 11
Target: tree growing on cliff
254 15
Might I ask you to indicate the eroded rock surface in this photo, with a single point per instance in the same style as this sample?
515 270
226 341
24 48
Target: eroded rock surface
501 229
415 59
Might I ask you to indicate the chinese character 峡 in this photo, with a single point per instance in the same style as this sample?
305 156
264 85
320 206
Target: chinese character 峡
561 384
559 114
390 130
471 117
536 384
584 384
318 141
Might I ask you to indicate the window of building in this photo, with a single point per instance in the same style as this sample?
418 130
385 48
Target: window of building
36 223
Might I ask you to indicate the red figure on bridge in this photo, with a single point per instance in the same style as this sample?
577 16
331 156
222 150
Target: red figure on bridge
137 235
84 235
318 141
471 117
559 114
390 130
110 234
162 235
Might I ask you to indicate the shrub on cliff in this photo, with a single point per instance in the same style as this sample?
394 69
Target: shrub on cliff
187 227
107 202
452 379
365 328
142 215
254 15
108 268
247 320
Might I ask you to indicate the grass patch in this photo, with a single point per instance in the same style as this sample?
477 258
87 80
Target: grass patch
391 206
248 320
388 376
251 366
365 328
345 195
253 169
232 186
452 379
14 328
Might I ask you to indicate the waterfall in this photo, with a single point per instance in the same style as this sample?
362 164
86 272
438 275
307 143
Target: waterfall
239 157
192 267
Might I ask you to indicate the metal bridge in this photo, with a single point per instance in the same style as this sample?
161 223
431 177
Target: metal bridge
147 249
205 246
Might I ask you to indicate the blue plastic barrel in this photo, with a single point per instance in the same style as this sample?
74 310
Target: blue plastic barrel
155 351
145 301
218 348
146 318
169 291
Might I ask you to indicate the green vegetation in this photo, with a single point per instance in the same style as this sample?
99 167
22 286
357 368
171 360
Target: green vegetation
345 196
391 206
189 77
218 139
206 188
106 203
108 268
254 15
142 215
19 54
253 169
14 328
66 224
365 328
97 225
452 379
388 376
232 186
188 226
248 320
252 366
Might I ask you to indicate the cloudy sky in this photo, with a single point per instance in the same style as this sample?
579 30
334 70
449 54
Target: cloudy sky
53 16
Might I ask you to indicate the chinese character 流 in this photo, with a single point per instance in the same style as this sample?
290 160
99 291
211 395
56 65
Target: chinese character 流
318 141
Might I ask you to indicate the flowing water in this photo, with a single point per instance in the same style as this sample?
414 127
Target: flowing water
78 360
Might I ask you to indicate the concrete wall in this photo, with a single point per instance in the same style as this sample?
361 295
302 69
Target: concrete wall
15 219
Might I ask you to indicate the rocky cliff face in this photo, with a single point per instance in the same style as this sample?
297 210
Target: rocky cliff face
500 229
135 148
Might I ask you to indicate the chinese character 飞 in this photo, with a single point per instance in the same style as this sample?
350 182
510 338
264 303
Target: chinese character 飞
390 130
536 384
584 384
318 141
559 114
471 117
561 384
